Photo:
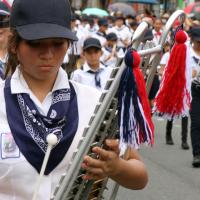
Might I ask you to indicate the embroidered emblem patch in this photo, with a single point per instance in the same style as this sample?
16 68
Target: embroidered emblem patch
9 148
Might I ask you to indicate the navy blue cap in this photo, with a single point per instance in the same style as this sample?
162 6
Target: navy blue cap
112 37
36 19
194 33
91 42
103 22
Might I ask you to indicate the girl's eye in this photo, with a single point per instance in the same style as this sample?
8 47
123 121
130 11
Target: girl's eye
33 43
58 43
38 44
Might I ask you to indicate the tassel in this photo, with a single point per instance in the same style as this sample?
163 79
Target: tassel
173 98
136 126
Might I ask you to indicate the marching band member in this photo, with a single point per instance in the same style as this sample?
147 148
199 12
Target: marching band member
72 57
122 32
184 120
194 62
38 100
93 72
101 33
157 31
111 52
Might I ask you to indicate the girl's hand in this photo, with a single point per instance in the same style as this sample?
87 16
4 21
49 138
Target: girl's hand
105 166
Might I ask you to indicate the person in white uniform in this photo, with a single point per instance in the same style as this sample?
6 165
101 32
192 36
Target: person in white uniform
37 100
111 53
123 33
93 72
101 33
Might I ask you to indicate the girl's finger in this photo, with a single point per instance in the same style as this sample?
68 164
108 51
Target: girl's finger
103 154
91 162
94 171
113 145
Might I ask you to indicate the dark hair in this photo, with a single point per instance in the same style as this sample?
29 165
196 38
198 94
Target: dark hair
12 60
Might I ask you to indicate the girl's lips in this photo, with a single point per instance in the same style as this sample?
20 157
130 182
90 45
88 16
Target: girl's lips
43 66
46 67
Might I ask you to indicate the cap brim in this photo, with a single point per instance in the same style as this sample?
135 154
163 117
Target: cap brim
91 46
45 30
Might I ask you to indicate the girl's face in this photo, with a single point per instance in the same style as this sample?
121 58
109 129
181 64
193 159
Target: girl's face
119 22
158 25
41 59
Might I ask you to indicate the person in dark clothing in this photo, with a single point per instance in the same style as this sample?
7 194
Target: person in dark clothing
184 131
194 34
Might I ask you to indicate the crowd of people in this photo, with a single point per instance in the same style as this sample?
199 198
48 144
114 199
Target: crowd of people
114 34
41 48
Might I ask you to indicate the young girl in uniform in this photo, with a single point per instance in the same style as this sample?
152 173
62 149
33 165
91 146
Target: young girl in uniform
37 100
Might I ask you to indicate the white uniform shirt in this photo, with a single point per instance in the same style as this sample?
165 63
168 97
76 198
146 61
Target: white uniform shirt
165 58
100 37
123 33
194 66
82 75
111 62
76 46
17 176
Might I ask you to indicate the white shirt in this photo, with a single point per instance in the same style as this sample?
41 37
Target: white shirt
17 177
82 76
100 37
111 62
76 46
193 64
123 33
165 58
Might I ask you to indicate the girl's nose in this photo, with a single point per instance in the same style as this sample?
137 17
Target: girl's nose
47 52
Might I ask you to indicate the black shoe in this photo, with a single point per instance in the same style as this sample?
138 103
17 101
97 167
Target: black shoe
169 141
196 161
185 146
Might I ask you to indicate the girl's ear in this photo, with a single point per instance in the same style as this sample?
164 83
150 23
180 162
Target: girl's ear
82 54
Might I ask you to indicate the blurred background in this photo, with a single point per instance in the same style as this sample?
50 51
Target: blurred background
158 6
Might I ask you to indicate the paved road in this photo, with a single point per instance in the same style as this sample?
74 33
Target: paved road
171 176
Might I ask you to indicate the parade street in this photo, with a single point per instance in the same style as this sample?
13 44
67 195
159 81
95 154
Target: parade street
171 175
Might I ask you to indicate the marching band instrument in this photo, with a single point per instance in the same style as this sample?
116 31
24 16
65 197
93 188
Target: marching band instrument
102 125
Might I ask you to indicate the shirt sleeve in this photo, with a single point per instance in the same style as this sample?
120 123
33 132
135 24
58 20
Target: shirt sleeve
75 76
